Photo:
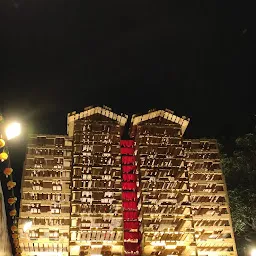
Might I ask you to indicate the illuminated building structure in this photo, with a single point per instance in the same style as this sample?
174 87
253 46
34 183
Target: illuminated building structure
185 208
96 206
45 196
153 194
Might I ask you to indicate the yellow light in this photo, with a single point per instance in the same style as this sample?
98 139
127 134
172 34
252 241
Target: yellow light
2 143
170 246
158 243
13 130
75 250
253 252
96 246
27 225
49 253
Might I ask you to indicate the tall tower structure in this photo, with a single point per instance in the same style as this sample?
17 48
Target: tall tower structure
96 202
166 214
184 199
208 198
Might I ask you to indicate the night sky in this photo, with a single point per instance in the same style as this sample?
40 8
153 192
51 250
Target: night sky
194 57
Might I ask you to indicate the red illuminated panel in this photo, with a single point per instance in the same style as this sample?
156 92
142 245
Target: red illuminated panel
132 235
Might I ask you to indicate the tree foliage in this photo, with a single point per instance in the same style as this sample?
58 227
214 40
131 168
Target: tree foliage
240 173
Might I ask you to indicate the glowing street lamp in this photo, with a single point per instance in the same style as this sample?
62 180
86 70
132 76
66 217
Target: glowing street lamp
13 130
253 252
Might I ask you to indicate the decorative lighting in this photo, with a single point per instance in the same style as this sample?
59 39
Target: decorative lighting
3 156
14 228
12 200
13 130
8 171
49 254
11 184
96 246
158 243
13 213
170 246
27 225
2 143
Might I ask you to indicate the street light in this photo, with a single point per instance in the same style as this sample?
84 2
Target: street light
12 130
253 252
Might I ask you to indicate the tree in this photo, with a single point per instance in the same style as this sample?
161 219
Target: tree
240 173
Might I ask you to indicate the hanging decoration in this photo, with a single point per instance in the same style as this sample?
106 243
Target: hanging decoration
4 156
14 236
13 213
15 242
12 200
14 228
11 184
2 143
18 250
8 171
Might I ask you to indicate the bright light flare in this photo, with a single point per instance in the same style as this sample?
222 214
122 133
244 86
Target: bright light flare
13 130
253 252
27 225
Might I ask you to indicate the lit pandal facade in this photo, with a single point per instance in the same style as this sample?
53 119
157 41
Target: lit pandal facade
155 193
45 196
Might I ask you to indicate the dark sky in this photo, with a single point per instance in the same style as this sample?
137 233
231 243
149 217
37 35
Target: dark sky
193 57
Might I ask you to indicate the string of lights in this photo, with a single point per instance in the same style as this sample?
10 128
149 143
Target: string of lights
11 131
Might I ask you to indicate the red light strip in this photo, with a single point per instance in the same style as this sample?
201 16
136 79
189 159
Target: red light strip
132 236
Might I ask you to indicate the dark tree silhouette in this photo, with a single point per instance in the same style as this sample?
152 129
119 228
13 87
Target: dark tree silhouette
240 172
